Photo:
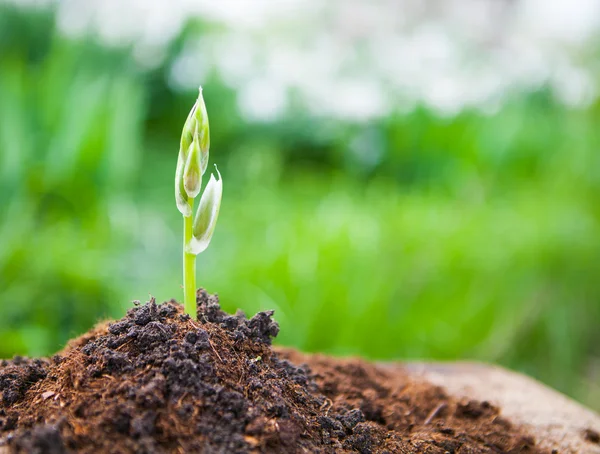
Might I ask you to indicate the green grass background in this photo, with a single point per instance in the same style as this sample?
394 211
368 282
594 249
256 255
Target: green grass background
472 237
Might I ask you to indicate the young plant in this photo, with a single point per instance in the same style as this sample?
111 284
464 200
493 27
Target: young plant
191 165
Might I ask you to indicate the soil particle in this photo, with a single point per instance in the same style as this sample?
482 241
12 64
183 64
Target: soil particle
42 439
18 376
592 436
158 382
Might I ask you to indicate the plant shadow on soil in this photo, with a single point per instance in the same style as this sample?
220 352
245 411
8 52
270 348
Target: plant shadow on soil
158 382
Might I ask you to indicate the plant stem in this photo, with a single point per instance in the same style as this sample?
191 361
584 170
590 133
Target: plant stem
189 268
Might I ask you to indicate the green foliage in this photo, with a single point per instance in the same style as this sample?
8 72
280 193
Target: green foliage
493 261
416 236
70 129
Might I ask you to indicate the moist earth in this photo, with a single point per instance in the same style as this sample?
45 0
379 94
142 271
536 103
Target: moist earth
157 381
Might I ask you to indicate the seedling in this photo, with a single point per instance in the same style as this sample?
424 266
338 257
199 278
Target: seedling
191 165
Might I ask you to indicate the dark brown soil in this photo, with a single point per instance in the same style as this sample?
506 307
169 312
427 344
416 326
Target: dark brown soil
592 436
158 382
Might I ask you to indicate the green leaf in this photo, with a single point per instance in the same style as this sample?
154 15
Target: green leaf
181 198
206 216
192 175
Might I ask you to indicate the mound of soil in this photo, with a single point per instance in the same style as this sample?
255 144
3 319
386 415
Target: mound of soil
158 382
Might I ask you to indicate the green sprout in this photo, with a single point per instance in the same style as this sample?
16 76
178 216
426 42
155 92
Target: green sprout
191 165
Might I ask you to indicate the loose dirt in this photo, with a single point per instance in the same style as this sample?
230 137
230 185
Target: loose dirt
158 382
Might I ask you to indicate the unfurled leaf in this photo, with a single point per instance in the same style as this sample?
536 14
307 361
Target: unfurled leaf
206 216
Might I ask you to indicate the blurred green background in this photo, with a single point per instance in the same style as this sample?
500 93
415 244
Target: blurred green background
409 226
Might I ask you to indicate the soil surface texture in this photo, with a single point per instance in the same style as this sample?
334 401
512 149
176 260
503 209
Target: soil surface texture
158 382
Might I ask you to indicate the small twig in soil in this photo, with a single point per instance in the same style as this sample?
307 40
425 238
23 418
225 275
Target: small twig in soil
181 399
326 406
215 350
123 345
433 413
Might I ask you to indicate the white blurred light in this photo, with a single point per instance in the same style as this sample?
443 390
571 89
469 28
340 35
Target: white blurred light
30 3
263 99
190 69
574 86
357 59
561 21
354 99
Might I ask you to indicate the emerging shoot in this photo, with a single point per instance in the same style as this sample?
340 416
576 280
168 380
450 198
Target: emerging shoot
191 165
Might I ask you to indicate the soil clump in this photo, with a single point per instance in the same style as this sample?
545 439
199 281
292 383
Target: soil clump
158 382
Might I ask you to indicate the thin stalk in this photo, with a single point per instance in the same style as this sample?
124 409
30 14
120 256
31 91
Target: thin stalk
189 267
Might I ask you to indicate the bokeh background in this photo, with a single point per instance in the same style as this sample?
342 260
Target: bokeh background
403 179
